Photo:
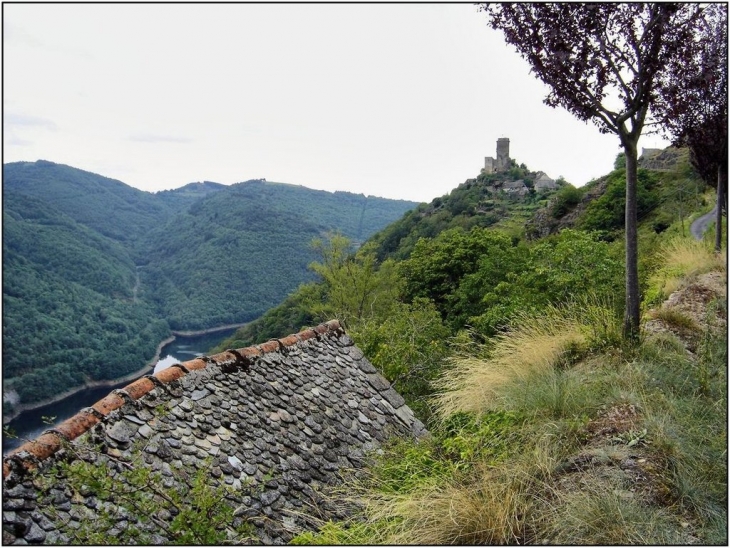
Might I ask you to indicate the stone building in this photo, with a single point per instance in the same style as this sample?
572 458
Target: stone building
271 430
515 187
544 182
502 162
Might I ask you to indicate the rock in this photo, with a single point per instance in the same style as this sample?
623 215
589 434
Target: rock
198 394
268 497
35 535
121 431
134 419
236 463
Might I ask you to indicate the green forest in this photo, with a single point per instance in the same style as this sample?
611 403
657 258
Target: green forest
97 273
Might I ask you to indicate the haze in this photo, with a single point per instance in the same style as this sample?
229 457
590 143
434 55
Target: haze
399 101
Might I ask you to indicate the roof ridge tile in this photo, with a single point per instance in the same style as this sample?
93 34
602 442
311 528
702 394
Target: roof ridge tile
49 442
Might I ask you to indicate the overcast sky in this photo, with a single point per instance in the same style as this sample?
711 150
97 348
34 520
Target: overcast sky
400 101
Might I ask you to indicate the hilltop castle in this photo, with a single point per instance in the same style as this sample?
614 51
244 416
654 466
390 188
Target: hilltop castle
502 162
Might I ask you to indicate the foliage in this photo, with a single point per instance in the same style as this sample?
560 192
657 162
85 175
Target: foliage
681 258
95 273
69 312
257 235
408 347
353 289
538 469
692 98
193 512
480 279
606 213
565 199
590 55
532 353
291 316
443 270
471 204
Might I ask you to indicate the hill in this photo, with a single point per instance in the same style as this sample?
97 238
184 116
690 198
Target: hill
96 273
504 200
255 239
68 310
105 205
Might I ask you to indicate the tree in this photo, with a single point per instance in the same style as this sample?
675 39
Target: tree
692 102
601 62
355 288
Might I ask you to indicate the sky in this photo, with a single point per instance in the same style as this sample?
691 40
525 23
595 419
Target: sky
399 101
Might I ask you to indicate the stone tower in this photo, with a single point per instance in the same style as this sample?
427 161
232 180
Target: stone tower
503 161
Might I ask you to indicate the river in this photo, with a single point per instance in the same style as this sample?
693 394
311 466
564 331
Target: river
30 424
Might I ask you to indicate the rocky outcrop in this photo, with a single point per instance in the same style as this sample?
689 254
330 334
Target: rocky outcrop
275 426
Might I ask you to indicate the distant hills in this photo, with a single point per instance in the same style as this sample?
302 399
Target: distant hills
96 273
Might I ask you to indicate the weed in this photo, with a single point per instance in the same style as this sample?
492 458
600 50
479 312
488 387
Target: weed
675 318
631 438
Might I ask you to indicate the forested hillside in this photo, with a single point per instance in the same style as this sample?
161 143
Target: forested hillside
105 205
96 273
235 253
68 310
454 268
478 202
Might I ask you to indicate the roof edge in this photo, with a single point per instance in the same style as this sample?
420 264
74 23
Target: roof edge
49 442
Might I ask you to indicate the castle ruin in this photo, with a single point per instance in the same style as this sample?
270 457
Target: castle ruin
502 163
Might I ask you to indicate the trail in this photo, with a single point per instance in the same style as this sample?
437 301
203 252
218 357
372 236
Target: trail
699 226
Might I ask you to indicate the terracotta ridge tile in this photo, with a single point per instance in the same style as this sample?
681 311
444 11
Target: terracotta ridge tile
50 441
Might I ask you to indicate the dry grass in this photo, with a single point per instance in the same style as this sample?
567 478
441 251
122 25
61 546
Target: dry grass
685 258
534 348
675 318
493 505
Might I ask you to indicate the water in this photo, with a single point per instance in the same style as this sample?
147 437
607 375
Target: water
31 424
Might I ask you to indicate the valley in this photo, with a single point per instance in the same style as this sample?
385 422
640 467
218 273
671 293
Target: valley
97 273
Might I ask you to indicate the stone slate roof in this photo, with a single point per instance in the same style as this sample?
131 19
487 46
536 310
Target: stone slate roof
279 423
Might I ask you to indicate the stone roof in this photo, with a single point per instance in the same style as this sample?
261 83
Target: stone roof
275 425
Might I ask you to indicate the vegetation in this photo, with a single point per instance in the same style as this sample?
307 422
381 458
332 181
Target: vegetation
588 53
96 273
692 102
69 313
190 512
478 202
558 433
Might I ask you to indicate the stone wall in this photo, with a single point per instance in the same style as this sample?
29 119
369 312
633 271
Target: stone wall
276 425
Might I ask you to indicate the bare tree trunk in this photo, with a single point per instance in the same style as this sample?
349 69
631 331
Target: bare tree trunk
631 313
721 185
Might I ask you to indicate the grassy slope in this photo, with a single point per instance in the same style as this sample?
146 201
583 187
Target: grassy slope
583 441
559 434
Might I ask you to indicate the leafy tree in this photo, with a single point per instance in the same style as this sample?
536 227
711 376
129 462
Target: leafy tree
353 288
408 346
565 199
692 102
438 267
601 62
553 271
606 213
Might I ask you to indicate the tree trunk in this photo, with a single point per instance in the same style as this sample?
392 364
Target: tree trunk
631 313
721 185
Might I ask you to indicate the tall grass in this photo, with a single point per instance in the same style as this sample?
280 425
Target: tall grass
682 258
528 366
